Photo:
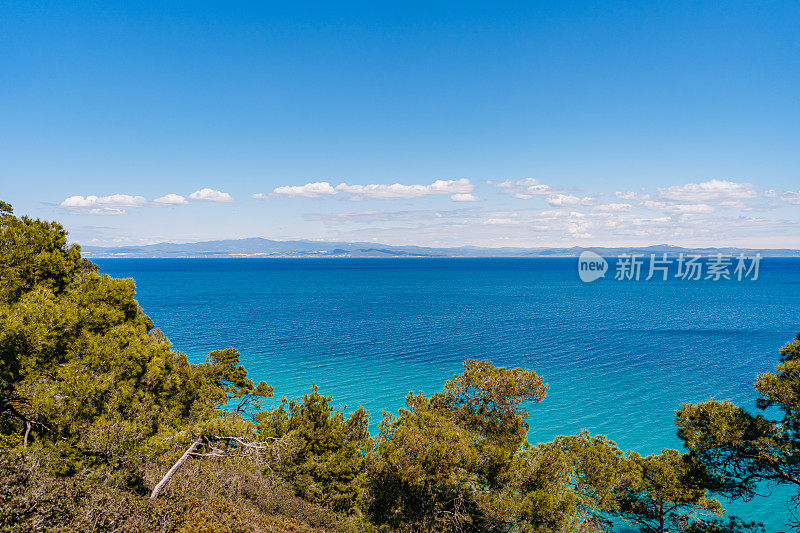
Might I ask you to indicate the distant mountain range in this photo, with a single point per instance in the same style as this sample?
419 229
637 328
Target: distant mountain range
258 247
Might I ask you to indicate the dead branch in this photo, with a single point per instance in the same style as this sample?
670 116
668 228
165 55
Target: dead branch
240 447
171 472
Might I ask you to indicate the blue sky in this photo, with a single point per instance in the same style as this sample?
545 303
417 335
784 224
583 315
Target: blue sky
535 124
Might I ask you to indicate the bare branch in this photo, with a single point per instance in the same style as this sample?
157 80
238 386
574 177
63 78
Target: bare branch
171 472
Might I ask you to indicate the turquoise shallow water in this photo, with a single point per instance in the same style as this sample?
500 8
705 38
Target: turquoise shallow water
619 357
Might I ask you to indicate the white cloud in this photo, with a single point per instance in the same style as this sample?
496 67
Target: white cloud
398 191
309 190
500 222
526 188
791 197
708 192
734 204
630 195
211 195
559 200
464 197
114 204
417 215
613 207
568 226
118 200
171 199
679 208
554 213
459 190
107 211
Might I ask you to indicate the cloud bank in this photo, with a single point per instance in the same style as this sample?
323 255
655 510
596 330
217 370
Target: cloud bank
115 204
211 195
171 199
120 204
460 190
522 212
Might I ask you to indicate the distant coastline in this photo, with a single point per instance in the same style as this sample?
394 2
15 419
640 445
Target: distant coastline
259 247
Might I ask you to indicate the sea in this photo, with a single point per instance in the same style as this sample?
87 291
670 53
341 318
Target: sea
619 355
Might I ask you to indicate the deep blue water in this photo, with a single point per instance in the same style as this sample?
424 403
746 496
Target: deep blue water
620 356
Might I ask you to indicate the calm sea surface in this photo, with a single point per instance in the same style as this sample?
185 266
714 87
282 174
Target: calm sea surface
620 356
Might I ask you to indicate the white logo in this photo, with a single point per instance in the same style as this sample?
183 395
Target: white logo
591 266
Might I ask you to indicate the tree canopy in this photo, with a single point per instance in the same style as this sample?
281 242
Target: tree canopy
743 449
84 376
